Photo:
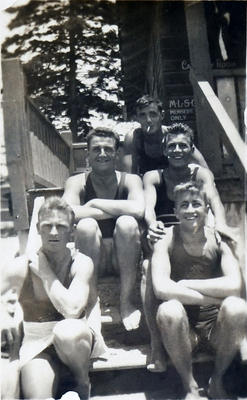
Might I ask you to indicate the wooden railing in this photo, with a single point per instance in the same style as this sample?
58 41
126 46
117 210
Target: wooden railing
50 152
219 121
37 156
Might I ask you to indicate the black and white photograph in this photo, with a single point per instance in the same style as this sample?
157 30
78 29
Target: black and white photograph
123 132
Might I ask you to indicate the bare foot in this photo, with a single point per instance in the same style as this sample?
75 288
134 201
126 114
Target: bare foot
157 361
82 390
216 389
130 317
70 396
194 395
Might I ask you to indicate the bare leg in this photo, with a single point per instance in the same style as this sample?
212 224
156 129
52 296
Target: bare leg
10 375
73 343
39 378
228 337
127 247
88 241
157 363
174 327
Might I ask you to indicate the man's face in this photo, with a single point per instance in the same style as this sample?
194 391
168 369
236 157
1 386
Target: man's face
54 229
191 210
102 153
178 150
150 118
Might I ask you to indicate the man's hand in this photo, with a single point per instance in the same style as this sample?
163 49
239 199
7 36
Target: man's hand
228 234
156 231
9 329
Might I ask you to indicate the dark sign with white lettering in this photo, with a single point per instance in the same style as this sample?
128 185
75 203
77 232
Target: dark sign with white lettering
180 109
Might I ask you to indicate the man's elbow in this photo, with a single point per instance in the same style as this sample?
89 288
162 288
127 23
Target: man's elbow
139 214
235 287
159 293
73 312
138 211
236 290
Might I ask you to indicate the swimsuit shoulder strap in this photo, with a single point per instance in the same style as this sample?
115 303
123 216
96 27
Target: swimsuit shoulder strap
121 186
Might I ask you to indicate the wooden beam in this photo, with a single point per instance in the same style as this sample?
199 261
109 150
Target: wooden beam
222 123
201 64
18 152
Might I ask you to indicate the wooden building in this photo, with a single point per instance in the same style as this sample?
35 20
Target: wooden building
167 47
189 54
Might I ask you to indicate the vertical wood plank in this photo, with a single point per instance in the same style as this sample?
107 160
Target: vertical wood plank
208 138
227 95
15 132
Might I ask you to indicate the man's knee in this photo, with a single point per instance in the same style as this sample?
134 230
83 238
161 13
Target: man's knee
170 312
69 331
234 309
127 226
87 227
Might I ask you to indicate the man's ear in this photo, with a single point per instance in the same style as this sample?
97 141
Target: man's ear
175 212
72 233
164 149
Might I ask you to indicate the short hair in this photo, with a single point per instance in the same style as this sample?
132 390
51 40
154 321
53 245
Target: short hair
190 187
146 100
177 129
56 203
103 132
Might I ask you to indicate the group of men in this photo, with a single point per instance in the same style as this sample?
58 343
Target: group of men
191 277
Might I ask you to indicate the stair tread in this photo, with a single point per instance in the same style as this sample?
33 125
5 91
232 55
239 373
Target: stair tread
129 357
110 315
121 358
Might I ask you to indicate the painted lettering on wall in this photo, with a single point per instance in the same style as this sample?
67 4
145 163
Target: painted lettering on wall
181 109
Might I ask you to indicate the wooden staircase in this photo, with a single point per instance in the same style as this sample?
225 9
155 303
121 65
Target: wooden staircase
6 223
127 349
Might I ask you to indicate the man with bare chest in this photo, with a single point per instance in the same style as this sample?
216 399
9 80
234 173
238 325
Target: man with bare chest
107 205
61 320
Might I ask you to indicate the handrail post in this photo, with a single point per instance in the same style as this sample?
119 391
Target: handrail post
209 144
17 144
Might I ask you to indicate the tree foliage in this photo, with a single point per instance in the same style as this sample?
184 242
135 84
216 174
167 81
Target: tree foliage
71 56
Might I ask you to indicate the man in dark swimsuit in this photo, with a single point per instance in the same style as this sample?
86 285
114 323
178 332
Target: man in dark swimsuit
143 146
159 211
107 205
61 330
159 185
196 282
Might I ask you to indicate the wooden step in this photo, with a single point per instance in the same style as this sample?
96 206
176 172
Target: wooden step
127 357
131 357
110 315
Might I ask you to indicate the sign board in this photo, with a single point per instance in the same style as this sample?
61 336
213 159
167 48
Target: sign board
180 109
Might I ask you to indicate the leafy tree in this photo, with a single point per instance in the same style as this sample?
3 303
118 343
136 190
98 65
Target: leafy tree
71 56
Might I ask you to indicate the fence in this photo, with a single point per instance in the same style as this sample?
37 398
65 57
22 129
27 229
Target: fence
37 156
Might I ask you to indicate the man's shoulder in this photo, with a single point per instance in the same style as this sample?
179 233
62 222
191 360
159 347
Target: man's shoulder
168 239
14 273
81 264
130 178
201 172
76 181
77 177
152 177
